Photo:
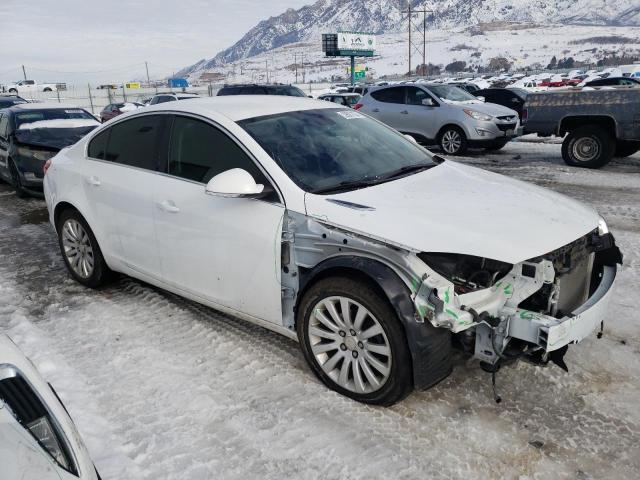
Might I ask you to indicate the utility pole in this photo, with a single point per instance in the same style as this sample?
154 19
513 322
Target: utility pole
148 81
413 27
304 72
295 64
266 68
24 72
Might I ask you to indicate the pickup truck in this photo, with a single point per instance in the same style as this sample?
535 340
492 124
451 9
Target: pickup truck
597 124
31 86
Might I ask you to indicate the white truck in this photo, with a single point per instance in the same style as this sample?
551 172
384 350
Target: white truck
31 86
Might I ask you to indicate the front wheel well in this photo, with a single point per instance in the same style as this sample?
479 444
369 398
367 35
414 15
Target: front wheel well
337 271
447 126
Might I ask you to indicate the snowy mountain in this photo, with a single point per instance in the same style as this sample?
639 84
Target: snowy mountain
385 16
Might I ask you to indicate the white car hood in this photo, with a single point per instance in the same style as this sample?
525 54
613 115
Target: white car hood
460 209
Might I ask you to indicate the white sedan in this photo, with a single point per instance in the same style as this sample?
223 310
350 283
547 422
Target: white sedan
38 439
326 226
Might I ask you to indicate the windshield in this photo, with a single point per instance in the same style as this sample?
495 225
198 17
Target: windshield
521 92
33 116
9 102
451 93
290 91
322 149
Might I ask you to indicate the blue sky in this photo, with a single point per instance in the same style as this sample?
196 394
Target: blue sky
81 41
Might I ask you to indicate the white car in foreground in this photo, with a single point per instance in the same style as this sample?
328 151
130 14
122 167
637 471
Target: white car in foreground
325 225
38 439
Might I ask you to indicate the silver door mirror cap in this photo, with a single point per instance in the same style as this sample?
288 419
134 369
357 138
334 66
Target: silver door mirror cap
410 138
233 183
481 98
428 102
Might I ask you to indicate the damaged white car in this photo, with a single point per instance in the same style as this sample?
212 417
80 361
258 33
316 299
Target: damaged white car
323 224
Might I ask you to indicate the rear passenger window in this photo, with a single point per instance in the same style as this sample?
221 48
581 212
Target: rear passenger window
199 151
389 95
98 145
135 142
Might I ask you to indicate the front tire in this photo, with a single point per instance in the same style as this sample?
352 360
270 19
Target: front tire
354 342
16 182
80 250
453 141
47 90
588 147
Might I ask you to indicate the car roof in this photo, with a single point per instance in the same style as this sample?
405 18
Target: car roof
240 107
340 94
41 106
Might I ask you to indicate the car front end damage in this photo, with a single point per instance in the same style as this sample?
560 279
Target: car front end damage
532 310
495 311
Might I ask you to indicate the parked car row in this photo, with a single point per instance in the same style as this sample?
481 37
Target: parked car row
385 253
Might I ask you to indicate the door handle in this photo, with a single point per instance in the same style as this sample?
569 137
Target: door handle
375 110
93 180
404 112
169 206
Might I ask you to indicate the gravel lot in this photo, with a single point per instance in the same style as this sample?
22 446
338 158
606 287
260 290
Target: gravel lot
162 388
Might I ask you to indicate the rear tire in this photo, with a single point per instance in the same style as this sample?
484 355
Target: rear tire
626 149
452 140
80 250
363 354
588 147
47 90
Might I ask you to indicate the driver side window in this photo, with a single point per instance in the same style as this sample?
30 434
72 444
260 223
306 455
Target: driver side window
198 151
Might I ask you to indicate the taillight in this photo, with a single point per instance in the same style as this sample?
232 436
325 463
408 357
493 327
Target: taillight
46 166
357 106
525 115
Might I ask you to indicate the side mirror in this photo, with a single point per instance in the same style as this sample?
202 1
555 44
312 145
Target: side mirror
481 98
410 138
428 102
233 183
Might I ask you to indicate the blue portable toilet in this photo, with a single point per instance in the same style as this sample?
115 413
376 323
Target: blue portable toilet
178 83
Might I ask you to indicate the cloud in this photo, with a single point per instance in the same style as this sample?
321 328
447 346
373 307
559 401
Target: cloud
90 40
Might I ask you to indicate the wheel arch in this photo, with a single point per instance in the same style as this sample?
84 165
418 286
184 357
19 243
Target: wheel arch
572 122
449 125
430 347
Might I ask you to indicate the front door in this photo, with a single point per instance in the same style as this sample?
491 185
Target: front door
225 250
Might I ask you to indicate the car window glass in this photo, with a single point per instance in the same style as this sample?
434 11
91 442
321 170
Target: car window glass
4 123
337 100
98 145
134 142
389 95
415 96
198 151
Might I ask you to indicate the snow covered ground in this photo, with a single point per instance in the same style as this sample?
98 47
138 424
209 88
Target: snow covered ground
162 388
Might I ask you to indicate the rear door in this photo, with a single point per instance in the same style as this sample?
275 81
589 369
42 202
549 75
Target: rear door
388 106
118 180
224 250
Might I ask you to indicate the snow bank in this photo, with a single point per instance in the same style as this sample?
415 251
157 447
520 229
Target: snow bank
60 123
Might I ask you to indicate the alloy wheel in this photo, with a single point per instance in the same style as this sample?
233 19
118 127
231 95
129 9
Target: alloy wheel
349 344
451 141
77 248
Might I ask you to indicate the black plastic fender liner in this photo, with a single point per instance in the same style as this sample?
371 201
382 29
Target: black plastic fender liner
430 347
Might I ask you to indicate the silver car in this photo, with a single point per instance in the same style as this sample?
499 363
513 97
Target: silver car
442 114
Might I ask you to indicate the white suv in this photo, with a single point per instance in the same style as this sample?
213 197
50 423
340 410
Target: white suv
326 226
